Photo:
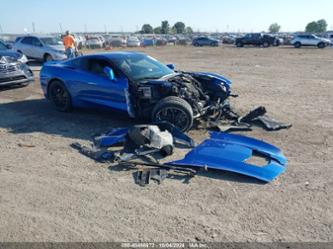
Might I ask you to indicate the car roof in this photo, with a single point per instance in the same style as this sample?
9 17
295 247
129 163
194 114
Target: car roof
37 36
114 55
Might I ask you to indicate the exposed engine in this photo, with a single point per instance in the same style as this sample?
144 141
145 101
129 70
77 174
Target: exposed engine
202 92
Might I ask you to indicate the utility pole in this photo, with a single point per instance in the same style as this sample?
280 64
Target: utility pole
33 28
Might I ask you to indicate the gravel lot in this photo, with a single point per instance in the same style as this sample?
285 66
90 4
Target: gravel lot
50 192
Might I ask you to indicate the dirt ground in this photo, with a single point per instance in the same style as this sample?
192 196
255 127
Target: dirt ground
50 192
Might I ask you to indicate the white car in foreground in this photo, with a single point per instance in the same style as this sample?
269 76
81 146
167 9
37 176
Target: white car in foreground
310 40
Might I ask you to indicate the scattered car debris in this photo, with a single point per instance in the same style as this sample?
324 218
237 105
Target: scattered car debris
144 145
229 120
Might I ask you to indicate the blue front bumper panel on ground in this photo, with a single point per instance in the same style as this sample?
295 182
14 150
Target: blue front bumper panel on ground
230 152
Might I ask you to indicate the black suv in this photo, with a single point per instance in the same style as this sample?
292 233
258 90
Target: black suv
257 39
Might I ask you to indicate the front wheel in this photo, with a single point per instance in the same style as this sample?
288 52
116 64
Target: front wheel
47 58
297 45
321 45
60 96
174 110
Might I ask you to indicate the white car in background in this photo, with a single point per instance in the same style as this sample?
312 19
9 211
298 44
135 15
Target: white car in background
93 42
133 42
43 48
310 40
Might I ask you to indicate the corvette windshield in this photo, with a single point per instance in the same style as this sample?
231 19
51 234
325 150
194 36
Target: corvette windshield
142 67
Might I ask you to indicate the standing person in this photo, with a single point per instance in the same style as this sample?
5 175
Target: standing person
70 45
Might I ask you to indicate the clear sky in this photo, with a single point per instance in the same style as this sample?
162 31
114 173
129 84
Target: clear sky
129 15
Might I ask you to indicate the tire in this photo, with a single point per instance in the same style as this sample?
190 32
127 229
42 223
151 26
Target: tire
265 44
297 45
59 96
175 110
239 44
321 45
47 57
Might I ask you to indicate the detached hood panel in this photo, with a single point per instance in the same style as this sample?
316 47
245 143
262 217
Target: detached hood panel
230 152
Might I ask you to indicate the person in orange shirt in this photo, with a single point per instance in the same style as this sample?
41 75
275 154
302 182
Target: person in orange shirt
70 45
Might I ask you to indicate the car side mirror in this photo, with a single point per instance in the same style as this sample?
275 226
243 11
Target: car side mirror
109 73
171 66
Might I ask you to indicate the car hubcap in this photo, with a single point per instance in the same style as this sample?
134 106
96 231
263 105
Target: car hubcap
59 96
175 116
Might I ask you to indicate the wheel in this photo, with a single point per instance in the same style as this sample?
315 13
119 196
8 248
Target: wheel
213 44
60 96
297 45
321 45
196 45
265 44
175 110
239 44
47 57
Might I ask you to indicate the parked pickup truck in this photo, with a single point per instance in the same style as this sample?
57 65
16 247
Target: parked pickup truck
257 39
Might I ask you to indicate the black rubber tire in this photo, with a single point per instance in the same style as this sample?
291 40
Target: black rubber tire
47 57
297 45
184 113
265 44
59 96
239 45
321 45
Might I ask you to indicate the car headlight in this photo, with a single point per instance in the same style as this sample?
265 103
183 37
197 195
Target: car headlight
23 59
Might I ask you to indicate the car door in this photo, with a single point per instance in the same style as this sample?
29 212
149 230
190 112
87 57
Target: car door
91 85
25 46
37 49
313 40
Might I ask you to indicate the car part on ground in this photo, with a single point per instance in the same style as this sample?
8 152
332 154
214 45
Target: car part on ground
222 151
139 141
231 152
229 120
14 72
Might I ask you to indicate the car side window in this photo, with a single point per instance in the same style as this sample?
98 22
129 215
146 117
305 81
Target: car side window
96 66
36 42
27 40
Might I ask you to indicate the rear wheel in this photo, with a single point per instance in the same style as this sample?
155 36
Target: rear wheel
321 45
297 45
174 110
265 44
60 96
239 44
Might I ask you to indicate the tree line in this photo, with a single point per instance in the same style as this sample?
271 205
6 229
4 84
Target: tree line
165 28
319 26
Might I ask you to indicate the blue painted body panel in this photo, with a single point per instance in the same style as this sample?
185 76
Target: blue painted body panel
229 152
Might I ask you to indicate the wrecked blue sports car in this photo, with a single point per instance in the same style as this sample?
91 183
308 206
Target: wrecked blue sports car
134 83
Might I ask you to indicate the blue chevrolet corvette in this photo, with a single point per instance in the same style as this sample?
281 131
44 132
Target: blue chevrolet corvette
137 84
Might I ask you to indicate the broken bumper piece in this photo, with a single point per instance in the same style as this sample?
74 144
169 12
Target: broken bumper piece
231 152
